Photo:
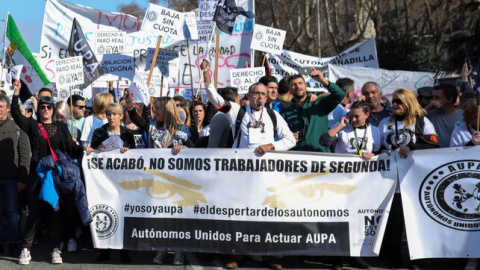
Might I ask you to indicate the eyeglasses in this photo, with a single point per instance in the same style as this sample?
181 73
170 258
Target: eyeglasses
264 94
80 106
397 101
48 107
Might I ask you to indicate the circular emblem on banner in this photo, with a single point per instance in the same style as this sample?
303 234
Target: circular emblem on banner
450 195
61 80
258 35
105 220
205 6
105 70
237 81
64 94
152 16
151 91
101 49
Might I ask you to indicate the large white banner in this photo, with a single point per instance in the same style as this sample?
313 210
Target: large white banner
235 202
388 80
440 196
58 17
363 54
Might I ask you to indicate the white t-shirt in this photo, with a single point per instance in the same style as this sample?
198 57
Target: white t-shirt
461 135
406 135
367 139
89 125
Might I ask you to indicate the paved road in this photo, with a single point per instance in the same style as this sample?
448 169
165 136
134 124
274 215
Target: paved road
85 259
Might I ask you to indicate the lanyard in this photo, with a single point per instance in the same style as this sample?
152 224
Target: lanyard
359 147
257 123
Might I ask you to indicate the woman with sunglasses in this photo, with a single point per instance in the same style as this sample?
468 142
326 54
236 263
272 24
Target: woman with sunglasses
405 130
60 139
353 135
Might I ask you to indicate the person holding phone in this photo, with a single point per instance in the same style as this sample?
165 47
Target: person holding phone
353 135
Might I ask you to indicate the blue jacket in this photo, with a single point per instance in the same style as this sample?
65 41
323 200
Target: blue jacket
66 176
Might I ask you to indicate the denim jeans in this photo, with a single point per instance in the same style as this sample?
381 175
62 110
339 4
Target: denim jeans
9 205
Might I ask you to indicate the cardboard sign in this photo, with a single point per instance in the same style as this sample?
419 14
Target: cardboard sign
268 39
69 71
244 77
204 29
167 61
117 67
163 21
110 42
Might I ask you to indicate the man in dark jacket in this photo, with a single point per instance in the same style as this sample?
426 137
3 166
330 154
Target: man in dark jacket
14 165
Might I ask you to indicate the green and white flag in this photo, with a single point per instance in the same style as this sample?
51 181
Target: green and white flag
32 74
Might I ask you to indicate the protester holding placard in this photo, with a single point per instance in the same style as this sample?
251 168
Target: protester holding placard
353 135
38 131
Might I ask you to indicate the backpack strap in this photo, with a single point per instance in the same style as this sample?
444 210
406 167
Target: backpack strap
238 123
272 115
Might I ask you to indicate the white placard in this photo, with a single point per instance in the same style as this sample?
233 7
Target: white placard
268 39
244 77
117 67
167 61
206 9
109 42
190 31
69 71
204 29
163 21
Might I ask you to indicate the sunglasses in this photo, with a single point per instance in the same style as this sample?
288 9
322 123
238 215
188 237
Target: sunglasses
397 101
48 107
80 107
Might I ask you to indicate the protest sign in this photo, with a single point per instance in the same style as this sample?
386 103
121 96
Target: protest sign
234 50
244 77
69 71
163 21
287 64
440 198
190 29
110 42
206 9
388 80
281 203
167 61
204 29
117 67
268 39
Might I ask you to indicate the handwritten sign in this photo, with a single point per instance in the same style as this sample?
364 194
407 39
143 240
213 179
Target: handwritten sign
206 9
110 42
268 39
163 21
190 31
69 71
244 77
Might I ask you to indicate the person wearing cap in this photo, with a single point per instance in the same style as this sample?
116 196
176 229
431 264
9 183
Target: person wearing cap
58 139
425 95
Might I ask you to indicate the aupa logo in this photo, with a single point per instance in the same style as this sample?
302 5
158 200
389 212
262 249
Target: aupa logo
450 195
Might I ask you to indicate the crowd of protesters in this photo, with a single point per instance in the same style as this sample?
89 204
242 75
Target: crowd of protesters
273 115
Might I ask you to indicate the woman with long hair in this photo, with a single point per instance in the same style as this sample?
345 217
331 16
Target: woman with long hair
200 123
466 134
405 130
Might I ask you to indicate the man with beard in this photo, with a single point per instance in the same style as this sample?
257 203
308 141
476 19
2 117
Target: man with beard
372 94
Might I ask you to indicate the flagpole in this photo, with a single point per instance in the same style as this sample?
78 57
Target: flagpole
190 67
217 50
118 92
4 46
199 73
161 87
154 60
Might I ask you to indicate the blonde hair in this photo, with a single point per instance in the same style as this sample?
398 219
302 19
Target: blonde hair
115 108
63 109
101 101
414 109
470 112
171 118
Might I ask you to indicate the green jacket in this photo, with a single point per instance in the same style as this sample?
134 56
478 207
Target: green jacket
15 152
312 119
